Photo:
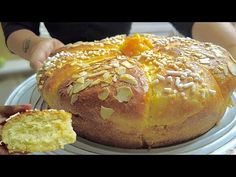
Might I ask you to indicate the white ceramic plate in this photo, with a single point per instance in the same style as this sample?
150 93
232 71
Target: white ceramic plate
219 140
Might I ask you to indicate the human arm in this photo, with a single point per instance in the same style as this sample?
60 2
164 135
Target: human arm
23 40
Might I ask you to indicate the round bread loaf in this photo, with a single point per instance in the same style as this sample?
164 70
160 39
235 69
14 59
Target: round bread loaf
140 91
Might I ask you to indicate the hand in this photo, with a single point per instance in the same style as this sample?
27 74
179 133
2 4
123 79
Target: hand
6 112
42 50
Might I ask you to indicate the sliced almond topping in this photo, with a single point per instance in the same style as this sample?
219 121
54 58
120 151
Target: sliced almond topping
127 64
69 90
96 66
106 75
204 61
121 70
115 63
208 54
232 58
107 67
218 53
80 80
74 98
129 79
83 65
220 67
226 71
96 82
79 87
82 74
124 94
121 57
232 67
104 94
97 73
106 112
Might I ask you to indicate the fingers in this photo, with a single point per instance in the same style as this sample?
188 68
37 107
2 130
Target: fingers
2 121
36 65
7 111
57 44
3 151
42 51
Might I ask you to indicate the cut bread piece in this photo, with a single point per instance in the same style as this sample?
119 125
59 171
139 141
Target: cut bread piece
38 131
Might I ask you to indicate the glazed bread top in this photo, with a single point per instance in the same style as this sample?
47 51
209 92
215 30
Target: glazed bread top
144 77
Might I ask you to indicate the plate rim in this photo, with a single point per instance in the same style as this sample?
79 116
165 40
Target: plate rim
109 148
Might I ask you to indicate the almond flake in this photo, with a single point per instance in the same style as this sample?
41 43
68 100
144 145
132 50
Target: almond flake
127 64
129 79
79 87
124 94
80 80
104 94
121 70
105 112
74 98
106 75
69 90
204 61
232 67
115 63
97 73
96 82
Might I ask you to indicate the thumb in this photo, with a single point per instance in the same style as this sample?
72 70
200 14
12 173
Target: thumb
9 110
43 51
35 65
57 44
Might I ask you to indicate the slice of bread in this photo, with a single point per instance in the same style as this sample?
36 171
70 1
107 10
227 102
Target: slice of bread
38 131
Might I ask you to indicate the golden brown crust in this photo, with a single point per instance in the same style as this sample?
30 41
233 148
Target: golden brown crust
141 90
155 136
88 104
